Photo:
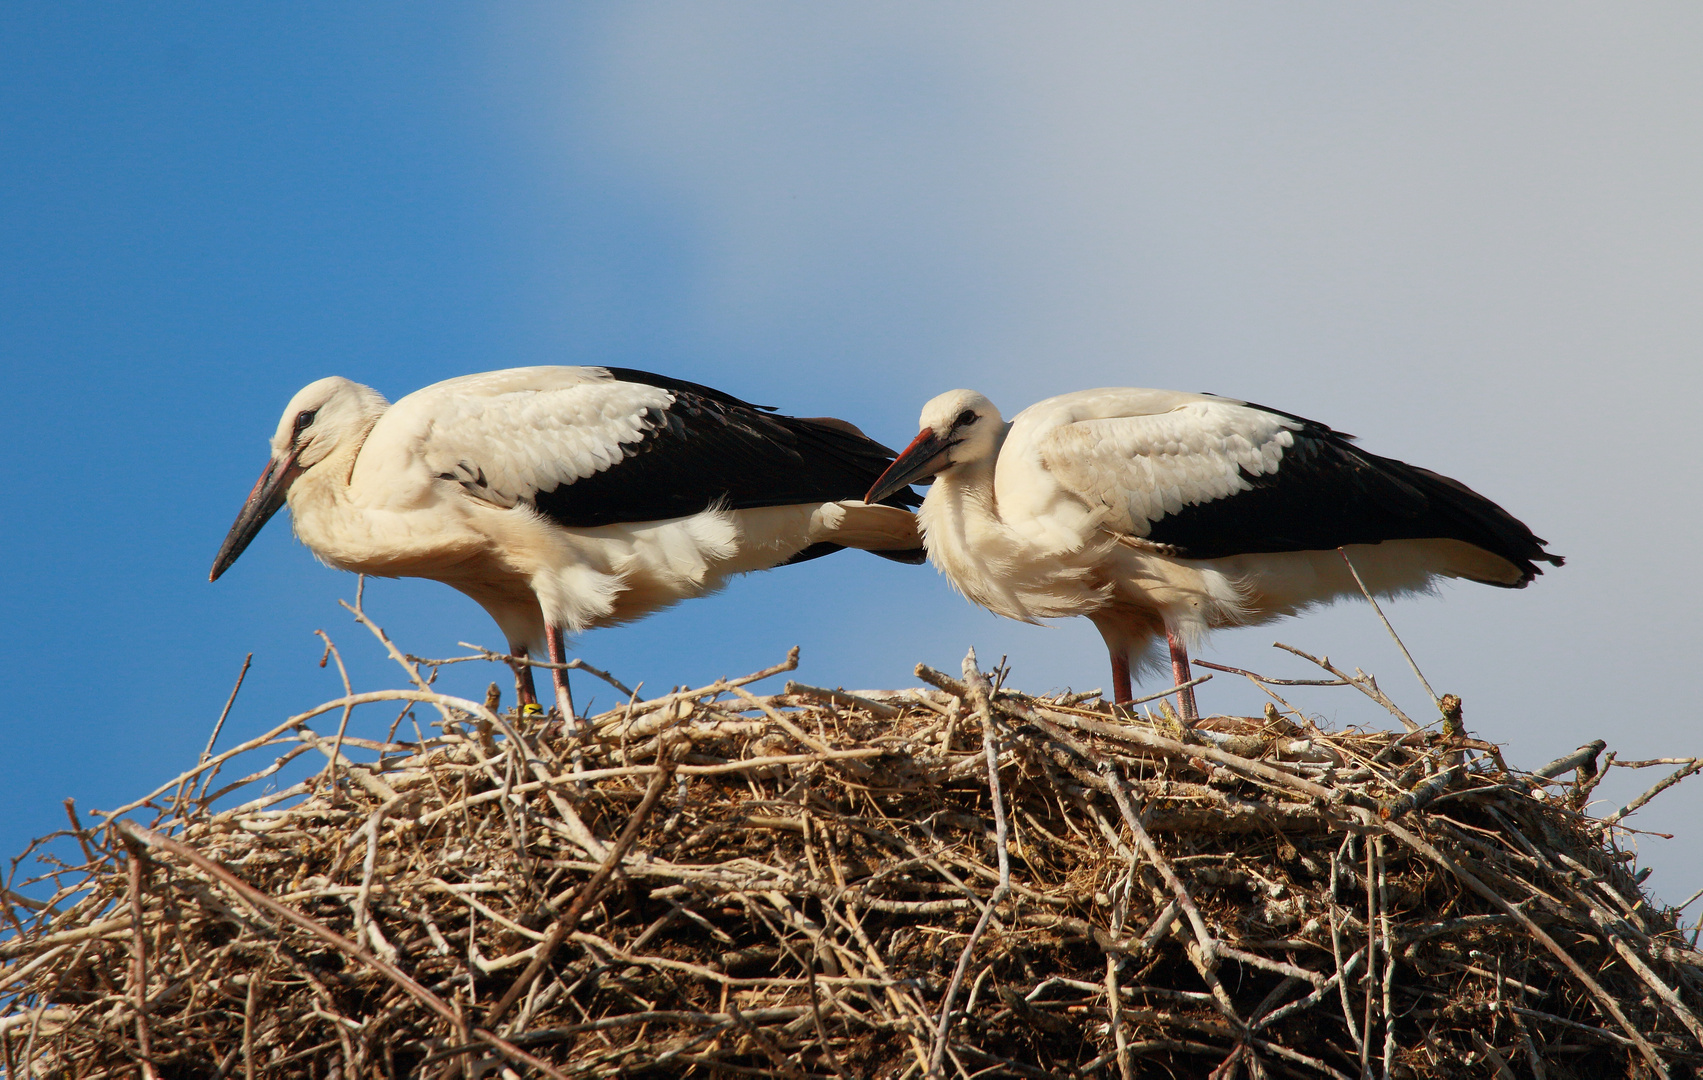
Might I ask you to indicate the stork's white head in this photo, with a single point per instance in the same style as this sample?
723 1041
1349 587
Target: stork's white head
323 416
959 427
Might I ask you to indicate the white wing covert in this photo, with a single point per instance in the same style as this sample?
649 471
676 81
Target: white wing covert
507 436
1137 467
588 447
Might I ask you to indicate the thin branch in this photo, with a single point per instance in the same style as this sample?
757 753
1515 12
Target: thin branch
348 710
980 698
139 959
1670 780
1362 682
1370 599
1267 681
217 727
482 653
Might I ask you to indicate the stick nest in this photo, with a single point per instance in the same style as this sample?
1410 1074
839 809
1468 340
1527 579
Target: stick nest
801 884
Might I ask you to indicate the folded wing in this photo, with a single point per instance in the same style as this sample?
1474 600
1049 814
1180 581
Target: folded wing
594 446
1207 478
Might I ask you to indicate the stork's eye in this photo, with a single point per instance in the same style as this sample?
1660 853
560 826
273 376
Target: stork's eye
303 419
965 418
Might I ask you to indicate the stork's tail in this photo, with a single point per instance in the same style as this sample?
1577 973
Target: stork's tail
888 531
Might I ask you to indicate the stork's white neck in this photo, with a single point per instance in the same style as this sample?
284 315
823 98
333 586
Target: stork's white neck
1005 569
320 508
333 517
960 524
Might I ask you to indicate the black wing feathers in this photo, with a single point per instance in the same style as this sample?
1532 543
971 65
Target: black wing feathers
1327 493
712 449
681 386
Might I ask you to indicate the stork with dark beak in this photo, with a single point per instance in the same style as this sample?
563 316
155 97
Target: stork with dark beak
565 498
1160 514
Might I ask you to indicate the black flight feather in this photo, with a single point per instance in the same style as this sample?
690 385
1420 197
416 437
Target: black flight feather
1327 493
709 449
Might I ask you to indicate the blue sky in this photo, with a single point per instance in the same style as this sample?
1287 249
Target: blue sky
1472 236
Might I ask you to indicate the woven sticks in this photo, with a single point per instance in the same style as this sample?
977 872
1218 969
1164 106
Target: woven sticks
946 881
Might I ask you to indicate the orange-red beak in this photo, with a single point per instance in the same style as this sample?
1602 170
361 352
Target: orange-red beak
926 456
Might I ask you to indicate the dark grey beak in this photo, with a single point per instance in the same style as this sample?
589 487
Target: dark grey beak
923 458
264 501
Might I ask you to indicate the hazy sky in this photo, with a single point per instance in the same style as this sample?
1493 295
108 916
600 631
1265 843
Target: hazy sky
1470 234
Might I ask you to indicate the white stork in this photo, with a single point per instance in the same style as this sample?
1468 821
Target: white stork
564 498
1156 513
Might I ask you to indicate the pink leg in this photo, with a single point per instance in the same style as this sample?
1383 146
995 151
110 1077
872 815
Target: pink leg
558 655
525 693
1180 672
1121 691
